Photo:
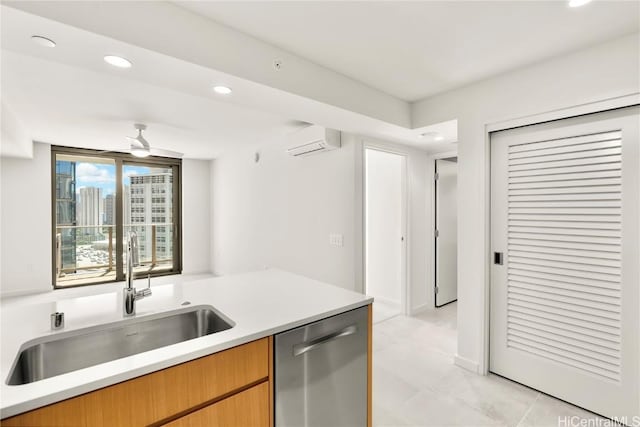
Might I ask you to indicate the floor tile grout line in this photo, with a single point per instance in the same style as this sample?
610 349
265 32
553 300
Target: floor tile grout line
528 411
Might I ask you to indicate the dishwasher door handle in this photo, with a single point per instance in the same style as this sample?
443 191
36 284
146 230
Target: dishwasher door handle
304 347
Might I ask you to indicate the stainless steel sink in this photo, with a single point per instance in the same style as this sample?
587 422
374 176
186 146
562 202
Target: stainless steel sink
69 351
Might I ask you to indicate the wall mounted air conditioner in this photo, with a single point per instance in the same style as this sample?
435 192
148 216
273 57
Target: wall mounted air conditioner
313 139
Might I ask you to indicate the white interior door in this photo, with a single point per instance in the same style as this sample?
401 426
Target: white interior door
446 231
564 302
385 230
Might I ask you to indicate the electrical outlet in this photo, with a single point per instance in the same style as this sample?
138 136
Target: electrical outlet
336 239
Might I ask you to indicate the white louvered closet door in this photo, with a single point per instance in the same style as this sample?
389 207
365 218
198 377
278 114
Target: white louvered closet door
565 301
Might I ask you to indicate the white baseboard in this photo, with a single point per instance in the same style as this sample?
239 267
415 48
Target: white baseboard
467 364
419 309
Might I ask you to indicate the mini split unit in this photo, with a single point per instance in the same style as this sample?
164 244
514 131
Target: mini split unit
313 139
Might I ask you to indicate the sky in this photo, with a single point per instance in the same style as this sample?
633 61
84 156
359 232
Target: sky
103 176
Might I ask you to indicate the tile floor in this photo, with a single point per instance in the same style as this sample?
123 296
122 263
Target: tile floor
417 384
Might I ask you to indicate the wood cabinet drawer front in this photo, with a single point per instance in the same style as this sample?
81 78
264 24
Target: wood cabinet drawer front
247 409
157 396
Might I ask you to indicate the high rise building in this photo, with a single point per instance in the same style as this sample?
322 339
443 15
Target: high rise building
109 209
126 201
66 212
152 203
91 210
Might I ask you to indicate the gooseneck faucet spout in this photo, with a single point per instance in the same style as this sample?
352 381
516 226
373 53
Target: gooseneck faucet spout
129 293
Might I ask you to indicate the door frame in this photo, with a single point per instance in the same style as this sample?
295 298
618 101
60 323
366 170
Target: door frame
482 366
432 223
404 288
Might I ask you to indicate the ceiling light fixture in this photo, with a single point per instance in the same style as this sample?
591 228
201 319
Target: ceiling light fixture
43 41
438 138
139 151
139 146
578 3
222 90
117 61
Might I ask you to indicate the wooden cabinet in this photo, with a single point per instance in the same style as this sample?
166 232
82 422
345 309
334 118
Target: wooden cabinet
167 395
249 408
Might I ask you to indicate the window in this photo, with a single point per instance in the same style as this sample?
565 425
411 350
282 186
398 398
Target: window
98 198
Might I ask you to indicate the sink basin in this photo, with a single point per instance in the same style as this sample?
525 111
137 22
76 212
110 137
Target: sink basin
69 351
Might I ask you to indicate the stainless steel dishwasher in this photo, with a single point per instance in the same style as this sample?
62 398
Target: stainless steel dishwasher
321 373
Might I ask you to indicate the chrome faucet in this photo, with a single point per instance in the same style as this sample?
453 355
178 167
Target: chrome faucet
129 294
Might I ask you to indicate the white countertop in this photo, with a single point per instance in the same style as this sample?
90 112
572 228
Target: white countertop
261 303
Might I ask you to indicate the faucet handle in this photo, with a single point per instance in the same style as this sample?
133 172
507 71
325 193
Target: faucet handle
143 293
146 291
57 320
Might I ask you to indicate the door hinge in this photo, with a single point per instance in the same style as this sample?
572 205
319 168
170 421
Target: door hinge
437 233
437 289
437 176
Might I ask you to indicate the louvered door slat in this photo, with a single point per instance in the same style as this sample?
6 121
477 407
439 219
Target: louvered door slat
552 184
564 251
597 153
612 158
565 170
562 279
564 142
598 329
603 353
573 191
586 290
566 329
567 231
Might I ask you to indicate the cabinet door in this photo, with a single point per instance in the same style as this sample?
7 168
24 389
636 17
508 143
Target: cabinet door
249 408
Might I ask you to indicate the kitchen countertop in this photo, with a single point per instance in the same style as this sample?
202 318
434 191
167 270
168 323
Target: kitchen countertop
260 303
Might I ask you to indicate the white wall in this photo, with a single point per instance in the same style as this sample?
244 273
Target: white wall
280 211
14 141
25 221
196 214
384 224
601 72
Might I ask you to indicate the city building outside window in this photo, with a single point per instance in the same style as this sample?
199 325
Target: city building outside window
98 199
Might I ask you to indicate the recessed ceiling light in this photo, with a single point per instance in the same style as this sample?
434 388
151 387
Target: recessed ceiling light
222 90
117 61
43 41
438 138
578 3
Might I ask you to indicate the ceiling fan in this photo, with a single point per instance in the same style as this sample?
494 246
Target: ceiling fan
140 147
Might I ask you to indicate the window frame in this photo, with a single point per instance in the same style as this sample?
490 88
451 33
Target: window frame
120 159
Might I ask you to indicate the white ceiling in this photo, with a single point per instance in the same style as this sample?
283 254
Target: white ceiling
415 49
72 106
68 96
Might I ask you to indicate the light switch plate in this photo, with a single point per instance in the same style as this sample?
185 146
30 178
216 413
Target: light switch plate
336 239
